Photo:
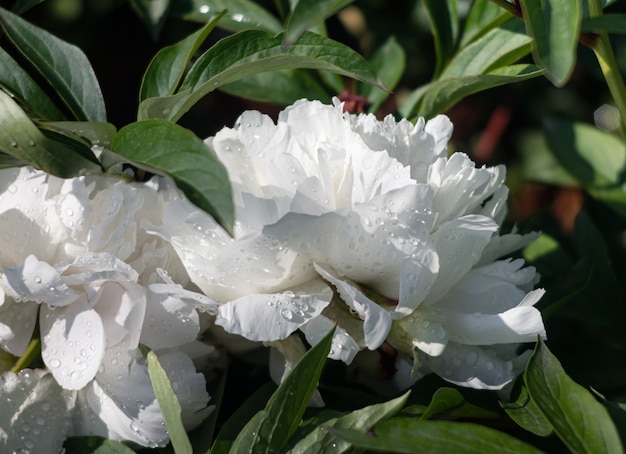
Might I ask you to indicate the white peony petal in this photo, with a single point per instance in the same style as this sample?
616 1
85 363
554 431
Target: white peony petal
261 317
344 347
520 324
426 330
35 280
122 307
377 321
72 344
416 280
17 322
473 367
34 416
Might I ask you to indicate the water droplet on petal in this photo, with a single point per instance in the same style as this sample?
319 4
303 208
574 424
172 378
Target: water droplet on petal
287 314
55 362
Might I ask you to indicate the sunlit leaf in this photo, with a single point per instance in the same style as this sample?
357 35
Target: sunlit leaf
63 65
554 26
580 421
241 14
483 16
307 13
410 435
321 441
17 81
252 52
270 429
21 139
169 405
165 148
168 66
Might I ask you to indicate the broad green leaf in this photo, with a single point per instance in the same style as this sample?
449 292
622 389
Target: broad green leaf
251 52
270 429
527 415
21 139
443 23
451 403
554 26
580 421
6 161
64 66
320 440
483 16
17 81
389 62
168 66
165 148
240 418
21 6
279 87
617 411
444 93
539 163
308 13
241 14
153 13
91 132
95 445
410 435
611 23
500 47
169 404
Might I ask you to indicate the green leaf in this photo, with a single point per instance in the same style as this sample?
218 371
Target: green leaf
91 132
270 429
526 414
17 81
580 421
443 94
320 440
308 13
168 66
451 403
389 62
21 6
539 163
483 17
443 22
499 47
20 138
153 13
251 52
169 404
63 65
611 23
410 435
233 426
554 26
95 445
241 14
166 148
278 87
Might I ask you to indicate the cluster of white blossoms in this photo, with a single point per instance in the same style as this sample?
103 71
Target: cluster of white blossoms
340 220
75 262
369 225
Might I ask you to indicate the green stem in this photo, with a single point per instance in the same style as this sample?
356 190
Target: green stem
608 65
29 355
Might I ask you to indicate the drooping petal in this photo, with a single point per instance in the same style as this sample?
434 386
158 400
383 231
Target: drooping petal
72 343
260 317
34 416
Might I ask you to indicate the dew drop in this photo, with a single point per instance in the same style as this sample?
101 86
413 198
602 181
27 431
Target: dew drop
287 314
204 9
12 189
489 365
37 280
55 362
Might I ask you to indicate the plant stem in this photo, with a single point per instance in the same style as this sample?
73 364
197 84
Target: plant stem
31 352
608 65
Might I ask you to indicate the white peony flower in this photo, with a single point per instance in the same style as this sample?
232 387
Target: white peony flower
406 236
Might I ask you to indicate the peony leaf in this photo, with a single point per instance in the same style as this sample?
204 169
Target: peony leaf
63 65
241 14
17 81
165 148
270 429
307 13
580 421
450 402
20 138
610 23
410 435
527 415
96 445
554 26
444 24
483 17
320 440
169 404
251 52
92 132
168 66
